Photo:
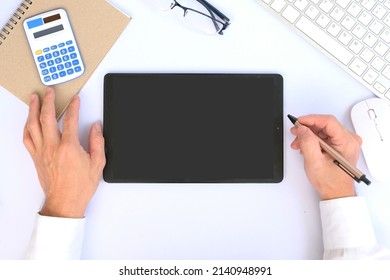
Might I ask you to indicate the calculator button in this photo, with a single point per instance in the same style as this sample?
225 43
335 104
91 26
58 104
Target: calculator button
48 56
54 76
77 69
42 65
53 47
71 49
62 74
65 57
68 64
60 67
41 58
56 53
70 71
52 69
50 63
63 51
38 52
69 42
73 55
61 45
47 79
46 49
58 60
75 62
45 72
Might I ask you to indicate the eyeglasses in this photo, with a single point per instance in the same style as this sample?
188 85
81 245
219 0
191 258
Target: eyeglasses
197 13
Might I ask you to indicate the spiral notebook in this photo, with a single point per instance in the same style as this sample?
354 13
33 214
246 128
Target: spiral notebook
96 24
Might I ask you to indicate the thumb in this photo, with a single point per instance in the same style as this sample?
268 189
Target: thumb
309 144
96 146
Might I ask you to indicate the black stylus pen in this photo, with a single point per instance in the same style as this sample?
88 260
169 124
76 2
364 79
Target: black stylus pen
339 160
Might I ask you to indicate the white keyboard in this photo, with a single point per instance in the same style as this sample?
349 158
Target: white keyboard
356 34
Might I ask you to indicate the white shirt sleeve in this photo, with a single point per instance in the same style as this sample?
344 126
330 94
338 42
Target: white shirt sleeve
56 238
347 230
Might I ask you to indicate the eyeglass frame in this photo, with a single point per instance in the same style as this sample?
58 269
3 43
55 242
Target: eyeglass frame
225 20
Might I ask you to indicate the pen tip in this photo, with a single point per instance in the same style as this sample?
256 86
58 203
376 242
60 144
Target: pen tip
292 118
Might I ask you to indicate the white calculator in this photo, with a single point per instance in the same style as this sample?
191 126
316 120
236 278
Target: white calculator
54 47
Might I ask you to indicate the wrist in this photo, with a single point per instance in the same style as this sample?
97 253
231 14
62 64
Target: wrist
62 209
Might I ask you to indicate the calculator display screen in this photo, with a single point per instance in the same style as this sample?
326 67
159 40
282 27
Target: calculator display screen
48 31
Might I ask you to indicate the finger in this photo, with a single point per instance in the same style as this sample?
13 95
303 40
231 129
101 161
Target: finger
327 124
33 124
309 145
71 121
28 142
96 146
295 144
50 131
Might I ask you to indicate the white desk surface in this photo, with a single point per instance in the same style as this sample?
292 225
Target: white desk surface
195 221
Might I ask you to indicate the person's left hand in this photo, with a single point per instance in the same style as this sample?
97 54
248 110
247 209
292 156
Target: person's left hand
69 176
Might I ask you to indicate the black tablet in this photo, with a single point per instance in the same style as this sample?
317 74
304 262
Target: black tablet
218 128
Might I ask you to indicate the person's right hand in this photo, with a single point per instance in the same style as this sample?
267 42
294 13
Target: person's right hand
327 178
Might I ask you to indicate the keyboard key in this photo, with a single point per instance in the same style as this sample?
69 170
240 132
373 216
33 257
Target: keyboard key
354 9
278 5
60 67
324 40
378 64
61 45
348 22
379 87
365 18
42 65
368 4
356 46
45 72
50 63
75 62
68 64
323 20
53 47
47 79
334 29
386 20
70 71
290 14
53 69
379 11
58 60
73 55
386 35
312 12
54 76
367 55
376 27
358 66
77 69
62 74
40 58
38 52
345 38
343 3
386 72
70 42
370 76
71 49
63 51
337 14
359 31
381 48
65 57
48 56
301 4
370 40
46 49
56 54
326 6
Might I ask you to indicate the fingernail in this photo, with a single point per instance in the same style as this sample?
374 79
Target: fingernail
98 127
33 97
49 90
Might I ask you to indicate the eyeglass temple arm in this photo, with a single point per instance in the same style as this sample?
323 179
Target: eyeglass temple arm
214 10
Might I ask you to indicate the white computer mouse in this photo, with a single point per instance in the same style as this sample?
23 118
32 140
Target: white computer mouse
371 120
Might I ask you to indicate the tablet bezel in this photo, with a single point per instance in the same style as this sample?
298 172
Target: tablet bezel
278 165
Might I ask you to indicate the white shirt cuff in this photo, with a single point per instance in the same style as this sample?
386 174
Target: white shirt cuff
346 224
56 238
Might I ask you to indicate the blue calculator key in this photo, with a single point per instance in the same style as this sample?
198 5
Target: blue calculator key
62 74
54 76
73 55
61 45
56 53
53 47
46 49
50 63
45 72
71 49
68 64
41 58
47 79
58 60
42 65
53 69
65 57
70 71
63 51
75 62
48 56
60 67
69 42
77 69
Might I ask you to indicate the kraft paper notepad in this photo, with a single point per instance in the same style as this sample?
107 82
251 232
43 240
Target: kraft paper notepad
96 24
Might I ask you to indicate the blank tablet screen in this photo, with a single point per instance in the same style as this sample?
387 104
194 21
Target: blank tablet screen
193 127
